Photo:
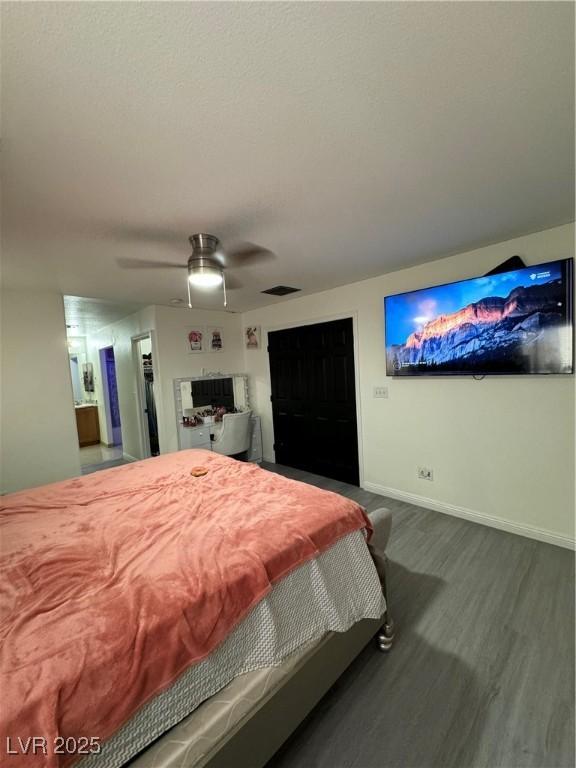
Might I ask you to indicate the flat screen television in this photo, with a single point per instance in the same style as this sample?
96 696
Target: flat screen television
516 322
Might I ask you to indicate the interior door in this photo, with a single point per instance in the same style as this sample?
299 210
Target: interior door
314 399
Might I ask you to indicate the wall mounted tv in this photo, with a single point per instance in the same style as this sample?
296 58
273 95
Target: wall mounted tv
517 322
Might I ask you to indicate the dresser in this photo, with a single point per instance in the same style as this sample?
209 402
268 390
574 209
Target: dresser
212 390
200 437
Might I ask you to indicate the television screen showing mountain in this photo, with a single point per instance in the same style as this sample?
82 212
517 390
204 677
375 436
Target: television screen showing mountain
514 322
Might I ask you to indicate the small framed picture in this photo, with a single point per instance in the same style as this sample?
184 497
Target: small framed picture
252 336
196 340
215 339
88 377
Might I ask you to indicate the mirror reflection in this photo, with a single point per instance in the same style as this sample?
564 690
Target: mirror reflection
216 393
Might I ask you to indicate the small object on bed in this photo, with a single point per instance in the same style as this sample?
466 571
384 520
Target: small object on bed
199 471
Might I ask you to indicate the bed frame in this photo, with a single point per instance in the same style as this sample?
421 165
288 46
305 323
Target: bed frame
256 738
264 732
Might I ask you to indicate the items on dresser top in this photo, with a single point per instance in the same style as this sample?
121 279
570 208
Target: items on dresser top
197 417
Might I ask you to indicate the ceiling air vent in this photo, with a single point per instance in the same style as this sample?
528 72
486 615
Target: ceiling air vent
280 290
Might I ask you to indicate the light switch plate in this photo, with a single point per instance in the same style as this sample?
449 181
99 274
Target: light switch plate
381 392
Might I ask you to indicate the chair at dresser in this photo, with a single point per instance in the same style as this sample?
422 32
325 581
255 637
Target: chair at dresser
235 436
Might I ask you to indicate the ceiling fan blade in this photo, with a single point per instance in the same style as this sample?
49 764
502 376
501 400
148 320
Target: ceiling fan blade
246 254
232 283
144 264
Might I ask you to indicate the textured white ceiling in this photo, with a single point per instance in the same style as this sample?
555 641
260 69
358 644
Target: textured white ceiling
85 316
350 138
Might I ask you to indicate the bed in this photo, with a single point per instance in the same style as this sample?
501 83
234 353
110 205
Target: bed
162 613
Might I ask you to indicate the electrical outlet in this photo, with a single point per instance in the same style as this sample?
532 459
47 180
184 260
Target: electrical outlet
381 392
425 473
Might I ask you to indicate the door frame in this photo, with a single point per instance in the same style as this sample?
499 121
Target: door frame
352 315
140 394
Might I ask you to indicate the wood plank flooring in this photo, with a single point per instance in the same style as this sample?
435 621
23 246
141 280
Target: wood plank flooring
482 671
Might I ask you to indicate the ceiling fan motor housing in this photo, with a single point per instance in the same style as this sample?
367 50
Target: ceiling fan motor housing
204 268
203 244
202 258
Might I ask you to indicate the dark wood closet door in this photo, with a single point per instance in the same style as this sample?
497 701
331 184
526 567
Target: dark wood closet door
314 399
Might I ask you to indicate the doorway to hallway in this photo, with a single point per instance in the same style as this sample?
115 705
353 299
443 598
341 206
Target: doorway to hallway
142 349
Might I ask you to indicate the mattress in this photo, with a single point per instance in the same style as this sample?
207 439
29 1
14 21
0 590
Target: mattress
329 593
114 584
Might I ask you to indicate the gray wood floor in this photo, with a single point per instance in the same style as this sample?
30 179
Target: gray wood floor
482 671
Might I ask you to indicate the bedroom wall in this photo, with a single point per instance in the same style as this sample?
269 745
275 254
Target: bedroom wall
502 449
174 359
39 442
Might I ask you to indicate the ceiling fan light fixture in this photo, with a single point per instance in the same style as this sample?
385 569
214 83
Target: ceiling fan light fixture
205 277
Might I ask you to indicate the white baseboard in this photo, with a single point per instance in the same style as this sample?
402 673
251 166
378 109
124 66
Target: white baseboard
530 531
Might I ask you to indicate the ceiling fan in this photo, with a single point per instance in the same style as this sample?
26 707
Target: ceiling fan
208 262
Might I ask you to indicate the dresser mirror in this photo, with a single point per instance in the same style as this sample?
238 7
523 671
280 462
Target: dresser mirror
229 391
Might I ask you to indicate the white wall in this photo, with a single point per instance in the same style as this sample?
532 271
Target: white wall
502 449
173 359
39 441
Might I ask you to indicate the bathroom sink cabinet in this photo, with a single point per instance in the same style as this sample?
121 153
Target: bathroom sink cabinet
88 425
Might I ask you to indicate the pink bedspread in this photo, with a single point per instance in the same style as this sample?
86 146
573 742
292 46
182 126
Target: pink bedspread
111 585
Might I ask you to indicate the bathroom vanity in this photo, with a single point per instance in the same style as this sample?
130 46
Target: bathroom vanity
87 424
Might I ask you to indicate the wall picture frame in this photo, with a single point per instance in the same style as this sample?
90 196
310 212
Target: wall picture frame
215 339
196 340
252 336
88 377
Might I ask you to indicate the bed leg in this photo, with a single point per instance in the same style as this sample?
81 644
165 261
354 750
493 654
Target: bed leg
385 635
